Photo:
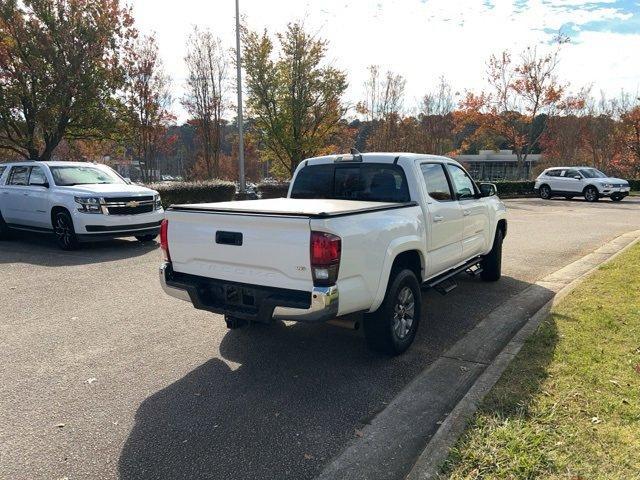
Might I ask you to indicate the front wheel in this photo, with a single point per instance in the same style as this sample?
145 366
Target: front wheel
616 197
591 194
545 192
491 263
392 328
146 238
66 237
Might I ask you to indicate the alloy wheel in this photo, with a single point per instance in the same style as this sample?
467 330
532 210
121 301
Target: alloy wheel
63 231
403 313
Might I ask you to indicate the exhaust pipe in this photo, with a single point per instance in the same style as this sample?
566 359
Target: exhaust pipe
348 324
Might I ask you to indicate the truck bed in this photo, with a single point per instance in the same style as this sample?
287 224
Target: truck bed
297 207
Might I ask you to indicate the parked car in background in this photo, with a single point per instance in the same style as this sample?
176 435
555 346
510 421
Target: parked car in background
77 202
357 233
572 182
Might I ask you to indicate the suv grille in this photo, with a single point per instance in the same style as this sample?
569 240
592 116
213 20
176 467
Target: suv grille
129 205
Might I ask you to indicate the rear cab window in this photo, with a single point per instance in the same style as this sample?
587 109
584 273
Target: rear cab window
371 182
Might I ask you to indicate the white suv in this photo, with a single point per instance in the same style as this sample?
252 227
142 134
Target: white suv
571 182
76 201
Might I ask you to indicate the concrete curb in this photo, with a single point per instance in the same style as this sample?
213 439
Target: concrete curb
428 415
436 451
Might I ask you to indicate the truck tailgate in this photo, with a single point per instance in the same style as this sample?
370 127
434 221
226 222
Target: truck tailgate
259 250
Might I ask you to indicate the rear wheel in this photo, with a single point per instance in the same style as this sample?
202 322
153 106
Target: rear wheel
492 262
5 232
591 194
545 192
66 237
392 328
146 238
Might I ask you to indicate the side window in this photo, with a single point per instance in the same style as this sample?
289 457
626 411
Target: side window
2 169
571 173
18 176
37 176
553 173
436 181
462 183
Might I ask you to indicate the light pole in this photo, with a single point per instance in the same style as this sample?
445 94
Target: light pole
240 120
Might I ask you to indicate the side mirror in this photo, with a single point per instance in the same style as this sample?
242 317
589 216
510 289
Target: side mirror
488 189
577 177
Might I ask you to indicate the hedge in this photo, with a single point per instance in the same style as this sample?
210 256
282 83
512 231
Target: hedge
515 188
635 184
273 190
194 192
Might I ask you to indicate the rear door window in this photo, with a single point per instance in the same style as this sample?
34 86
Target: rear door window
19 176
436 181
37 177
553 173
374 182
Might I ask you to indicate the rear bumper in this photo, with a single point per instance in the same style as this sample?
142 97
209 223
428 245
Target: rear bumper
251 302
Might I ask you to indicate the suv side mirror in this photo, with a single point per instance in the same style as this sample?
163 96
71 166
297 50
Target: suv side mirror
488 189
577 177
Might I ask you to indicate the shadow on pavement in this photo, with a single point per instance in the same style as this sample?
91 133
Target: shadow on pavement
41 249
284 399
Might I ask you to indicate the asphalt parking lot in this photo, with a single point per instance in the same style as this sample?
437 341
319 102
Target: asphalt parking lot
104 376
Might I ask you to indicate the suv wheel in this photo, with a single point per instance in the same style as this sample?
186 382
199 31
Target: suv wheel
545 192
5 232
492 262
616 197
591 194
65 233
392 328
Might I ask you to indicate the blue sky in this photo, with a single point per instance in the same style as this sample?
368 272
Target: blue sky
423 39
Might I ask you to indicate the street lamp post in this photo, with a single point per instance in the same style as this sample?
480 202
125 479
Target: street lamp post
240 120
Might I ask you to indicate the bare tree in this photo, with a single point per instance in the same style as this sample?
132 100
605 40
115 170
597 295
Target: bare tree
207 65
148 100
439 102
383 97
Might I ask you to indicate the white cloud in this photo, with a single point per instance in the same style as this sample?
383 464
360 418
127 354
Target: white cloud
419 39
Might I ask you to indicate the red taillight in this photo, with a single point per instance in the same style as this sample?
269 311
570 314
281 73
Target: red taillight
325 258
164 239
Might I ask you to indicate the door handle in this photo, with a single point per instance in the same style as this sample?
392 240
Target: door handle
438 218
466 213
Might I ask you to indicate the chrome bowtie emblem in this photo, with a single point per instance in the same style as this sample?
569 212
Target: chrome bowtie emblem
133 204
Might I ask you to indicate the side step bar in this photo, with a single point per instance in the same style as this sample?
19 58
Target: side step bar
444 282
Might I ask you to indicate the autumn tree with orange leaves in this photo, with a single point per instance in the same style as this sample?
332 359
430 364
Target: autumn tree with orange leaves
520 89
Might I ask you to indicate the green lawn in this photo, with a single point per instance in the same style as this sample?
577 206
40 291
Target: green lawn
568 407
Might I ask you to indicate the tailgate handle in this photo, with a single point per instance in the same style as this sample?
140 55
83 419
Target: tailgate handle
229 238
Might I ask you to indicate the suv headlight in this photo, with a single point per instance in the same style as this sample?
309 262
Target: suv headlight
607 185
158 202
88 204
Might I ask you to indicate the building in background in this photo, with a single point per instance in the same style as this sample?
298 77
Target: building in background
497 165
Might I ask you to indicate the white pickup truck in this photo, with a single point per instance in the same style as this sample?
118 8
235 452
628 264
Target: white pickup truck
357 233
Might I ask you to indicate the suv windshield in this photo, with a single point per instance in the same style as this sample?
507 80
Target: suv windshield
373 182
83 175
592 173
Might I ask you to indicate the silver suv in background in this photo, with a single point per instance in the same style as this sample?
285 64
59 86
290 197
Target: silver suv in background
572 182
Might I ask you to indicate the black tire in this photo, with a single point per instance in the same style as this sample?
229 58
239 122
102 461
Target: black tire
491 263
392 328
5 231
591 194
545 192
64 232
616 198
146 238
